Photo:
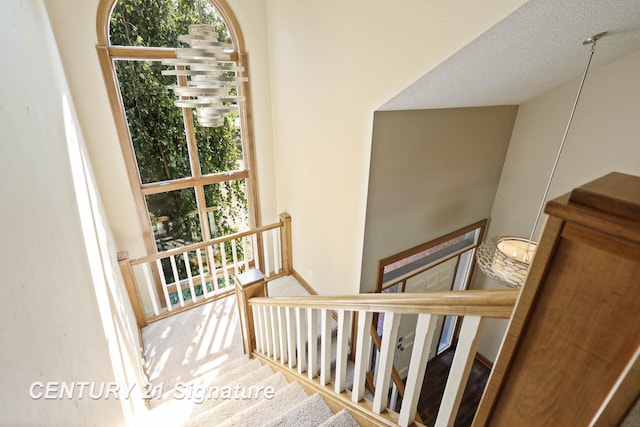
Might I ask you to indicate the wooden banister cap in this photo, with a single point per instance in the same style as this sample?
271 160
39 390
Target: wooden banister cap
616 193
249 277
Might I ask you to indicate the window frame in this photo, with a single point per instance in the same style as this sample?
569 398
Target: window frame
107 54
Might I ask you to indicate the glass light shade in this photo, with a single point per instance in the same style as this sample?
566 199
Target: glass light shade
210 76
506 259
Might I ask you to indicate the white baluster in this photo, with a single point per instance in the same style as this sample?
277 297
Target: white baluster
266 328
300 330
203 279
325 347
417 366
312 340
245 257
283 335
176 279
263 329
187 266
275 332
212 268
341 352
363 354
164 285
460 368
393 401
256 327
385 361
149 283
254 251
234 255
265 250
291 337
275 235
223 255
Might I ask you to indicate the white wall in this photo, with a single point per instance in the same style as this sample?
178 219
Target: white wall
604 137
57 257
333 63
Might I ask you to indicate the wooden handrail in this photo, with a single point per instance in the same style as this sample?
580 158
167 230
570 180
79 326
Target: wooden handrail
281 263
486 303
200 245
280 324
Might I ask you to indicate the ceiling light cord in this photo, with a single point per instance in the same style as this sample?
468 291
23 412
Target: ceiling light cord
593 42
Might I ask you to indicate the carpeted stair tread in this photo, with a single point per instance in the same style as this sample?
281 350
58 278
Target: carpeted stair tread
230 375
228 408
250 378
256 415
223 369
341 419
308 413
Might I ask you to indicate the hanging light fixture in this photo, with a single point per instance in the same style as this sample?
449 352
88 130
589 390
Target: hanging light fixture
209 73
507 259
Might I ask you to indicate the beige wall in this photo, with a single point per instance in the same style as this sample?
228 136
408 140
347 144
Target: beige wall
432 172
58 258
333 63
604 137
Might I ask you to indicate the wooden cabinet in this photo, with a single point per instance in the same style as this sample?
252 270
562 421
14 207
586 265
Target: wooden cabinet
571 353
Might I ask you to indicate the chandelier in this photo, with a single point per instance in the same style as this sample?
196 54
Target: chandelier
207 78
507 259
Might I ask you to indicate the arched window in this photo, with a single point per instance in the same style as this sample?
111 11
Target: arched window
190 183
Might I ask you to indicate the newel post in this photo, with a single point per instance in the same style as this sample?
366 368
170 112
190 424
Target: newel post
132 289
249 285
285 238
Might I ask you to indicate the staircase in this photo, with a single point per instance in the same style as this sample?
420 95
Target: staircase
251 394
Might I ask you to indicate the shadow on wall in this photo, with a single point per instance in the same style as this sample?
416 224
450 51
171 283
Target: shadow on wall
115 309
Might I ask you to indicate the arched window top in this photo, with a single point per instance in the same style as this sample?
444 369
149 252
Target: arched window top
158 23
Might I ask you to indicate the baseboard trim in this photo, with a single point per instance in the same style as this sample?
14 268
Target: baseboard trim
303 282
482 359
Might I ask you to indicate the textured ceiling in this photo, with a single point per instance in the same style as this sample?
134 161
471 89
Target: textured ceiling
534 49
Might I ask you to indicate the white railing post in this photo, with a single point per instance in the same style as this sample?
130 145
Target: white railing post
460 368
312 342
417 366
291 336
341 351
283 334
266 327
176 279
275 332
325 347
187 266
300 330
385 362
163 282
363 354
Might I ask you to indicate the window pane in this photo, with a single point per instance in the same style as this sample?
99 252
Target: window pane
155 123
159 23
227 211
220 148
174 218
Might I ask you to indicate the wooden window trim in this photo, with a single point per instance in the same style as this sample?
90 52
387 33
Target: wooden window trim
107 54
428 245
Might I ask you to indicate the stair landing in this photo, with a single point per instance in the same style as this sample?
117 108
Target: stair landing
193 346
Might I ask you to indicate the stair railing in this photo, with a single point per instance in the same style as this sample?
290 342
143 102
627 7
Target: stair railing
284 333
169 282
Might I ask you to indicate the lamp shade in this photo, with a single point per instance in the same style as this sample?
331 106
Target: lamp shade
506 259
